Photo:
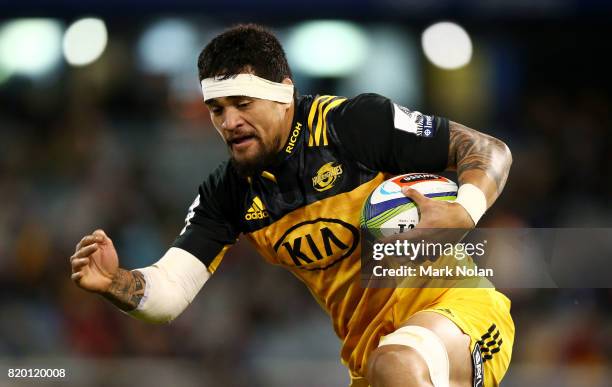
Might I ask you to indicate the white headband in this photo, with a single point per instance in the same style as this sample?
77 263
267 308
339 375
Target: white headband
248 85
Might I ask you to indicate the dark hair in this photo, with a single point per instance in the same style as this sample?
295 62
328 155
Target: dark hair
245 46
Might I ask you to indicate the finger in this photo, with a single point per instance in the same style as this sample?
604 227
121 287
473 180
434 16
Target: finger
415 195
77 264
78 245
88 240
86 251
76 276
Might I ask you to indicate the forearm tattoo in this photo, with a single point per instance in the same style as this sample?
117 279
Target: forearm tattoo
470 149
126 290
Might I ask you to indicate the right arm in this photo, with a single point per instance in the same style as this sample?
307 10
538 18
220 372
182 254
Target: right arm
158 293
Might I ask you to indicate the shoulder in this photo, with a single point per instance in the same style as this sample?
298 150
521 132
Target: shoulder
342 121
365 103
360 117
363 110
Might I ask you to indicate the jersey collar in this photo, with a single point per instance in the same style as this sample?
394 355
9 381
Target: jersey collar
296 135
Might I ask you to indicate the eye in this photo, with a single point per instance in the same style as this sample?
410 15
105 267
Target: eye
243 104
216 110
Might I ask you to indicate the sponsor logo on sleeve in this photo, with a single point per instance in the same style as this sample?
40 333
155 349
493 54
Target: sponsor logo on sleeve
428 128
415 122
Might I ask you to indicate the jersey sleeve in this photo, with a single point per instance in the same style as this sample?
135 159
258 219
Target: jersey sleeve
387 137
208 230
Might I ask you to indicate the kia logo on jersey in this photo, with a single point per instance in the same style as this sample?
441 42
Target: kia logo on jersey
317 244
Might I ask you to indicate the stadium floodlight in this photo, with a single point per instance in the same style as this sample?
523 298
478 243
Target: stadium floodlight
447 45
327 48
85 41
30 46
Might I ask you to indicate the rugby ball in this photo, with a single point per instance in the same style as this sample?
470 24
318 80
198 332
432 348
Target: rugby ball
388 211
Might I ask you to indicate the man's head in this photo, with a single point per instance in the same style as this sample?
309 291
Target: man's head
254 124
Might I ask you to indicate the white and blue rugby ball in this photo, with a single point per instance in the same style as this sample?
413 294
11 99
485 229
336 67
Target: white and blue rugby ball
388 211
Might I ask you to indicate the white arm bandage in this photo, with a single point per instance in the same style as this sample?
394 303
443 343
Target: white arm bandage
473 200
170 286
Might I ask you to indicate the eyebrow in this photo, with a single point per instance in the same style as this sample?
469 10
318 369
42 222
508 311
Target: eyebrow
232 99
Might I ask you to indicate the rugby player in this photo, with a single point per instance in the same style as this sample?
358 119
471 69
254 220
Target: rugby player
299 171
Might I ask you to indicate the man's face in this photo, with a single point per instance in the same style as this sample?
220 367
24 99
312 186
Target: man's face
252 128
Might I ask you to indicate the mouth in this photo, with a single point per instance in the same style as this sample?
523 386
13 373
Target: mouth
241 141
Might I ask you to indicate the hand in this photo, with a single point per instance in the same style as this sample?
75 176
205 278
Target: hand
437 213
439 221
94 263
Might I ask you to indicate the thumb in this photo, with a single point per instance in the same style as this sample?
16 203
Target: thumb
415 195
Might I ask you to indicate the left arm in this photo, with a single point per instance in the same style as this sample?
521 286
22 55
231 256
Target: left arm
482 163
479 159
400 144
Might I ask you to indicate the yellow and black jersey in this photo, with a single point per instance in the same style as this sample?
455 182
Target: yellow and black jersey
303 211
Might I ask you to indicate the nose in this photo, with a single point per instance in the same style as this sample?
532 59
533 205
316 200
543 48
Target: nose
232 119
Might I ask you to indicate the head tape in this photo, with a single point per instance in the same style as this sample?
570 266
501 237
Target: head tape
247 85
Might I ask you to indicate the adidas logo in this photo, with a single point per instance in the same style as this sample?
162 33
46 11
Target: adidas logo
256 211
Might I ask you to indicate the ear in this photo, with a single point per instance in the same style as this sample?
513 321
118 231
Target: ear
288 81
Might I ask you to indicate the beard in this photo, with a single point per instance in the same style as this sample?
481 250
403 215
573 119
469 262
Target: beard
254 165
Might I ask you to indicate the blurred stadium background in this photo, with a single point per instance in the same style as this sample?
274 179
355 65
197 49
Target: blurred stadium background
102 125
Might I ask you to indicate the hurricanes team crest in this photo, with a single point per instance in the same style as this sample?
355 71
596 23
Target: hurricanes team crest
326 176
